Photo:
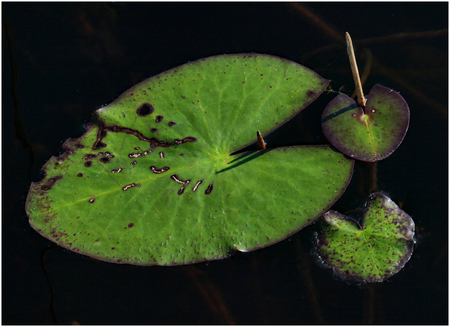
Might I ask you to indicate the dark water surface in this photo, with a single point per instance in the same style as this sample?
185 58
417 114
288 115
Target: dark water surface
63 61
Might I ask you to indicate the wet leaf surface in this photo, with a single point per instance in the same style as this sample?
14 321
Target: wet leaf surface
155 182
372 251
371 134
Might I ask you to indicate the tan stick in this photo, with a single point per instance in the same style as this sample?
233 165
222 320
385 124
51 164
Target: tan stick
366 70
261 143
355 73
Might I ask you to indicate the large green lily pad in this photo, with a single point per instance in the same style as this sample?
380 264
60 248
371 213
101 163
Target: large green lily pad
155 182
374 251
369 134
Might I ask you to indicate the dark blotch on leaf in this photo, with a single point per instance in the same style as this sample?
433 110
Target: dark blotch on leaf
88 164
209 188
171 123
91 200
177 179
189 139
49 183
145 109
159 171
134 155
158 119
130 225
100 136
80 174
126 187
197 185
153 130
181 190
108 154
105 160
99 145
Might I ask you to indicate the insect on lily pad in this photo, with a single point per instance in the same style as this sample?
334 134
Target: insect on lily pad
155 182
372 251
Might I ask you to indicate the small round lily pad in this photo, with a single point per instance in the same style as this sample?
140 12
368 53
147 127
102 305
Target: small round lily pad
368 134
373 251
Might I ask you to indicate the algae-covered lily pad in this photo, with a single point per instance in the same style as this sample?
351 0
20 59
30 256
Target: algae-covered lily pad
373 251
154 182
369 134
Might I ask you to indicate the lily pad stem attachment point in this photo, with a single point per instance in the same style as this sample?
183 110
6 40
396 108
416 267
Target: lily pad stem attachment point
261 143
355 72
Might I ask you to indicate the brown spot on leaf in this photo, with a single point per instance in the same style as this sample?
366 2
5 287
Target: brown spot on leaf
49 183
107 154
152 141
101 134
189 139
209 188
90 156
159 171
197 185
145 109
127 187
177 179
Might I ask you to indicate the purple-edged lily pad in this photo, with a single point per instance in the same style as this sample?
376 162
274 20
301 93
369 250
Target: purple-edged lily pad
368 134
372 251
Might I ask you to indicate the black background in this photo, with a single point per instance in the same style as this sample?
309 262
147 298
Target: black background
61 61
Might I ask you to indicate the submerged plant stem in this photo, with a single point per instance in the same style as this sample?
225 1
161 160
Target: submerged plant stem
305 271
318 22
211 295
